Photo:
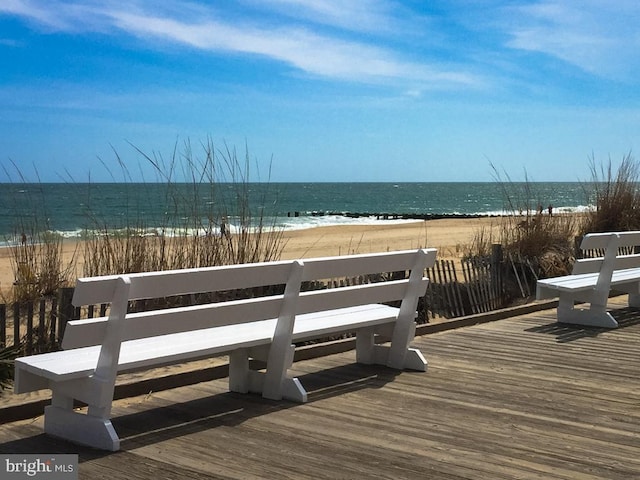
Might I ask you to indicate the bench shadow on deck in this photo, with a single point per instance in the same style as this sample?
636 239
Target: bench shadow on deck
518 398
175 419
626 317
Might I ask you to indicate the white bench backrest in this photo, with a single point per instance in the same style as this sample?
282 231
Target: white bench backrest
355 265
148 285
94 290
79 333
600 241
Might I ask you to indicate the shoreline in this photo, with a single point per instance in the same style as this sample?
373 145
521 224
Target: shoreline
299 221
449 235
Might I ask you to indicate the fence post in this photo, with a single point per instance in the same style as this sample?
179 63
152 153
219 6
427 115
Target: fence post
3 325
54 321
65 309
577 251
16 324
29 337
497 258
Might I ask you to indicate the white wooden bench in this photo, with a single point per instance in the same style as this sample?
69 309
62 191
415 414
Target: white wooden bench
593 279
263 328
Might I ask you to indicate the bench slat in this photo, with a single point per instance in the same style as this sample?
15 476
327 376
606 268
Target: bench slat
343 320
570 282
151 351
329 299
354 265
596 241
94 290
587 281
83 333
593 265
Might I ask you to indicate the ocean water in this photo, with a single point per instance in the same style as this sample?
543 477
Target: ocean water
71 209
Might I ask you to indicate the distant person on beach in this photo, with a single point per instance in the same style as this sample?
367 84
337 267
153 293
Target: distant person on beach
223 226
550 209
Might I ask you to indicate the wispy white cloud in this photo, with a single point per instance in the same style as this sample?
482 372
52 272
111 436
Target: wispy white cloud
354 15
297 46
300 46
597 36
57 15
30 10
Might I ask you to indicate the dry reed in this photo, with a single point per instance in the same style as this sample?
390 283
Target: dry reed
36 251
531 232
209 220
617 200
196 230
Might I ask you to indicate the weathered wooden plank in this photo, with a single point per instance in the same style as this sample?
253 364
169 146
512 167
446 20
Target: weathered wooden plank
3 325
16 324
53 321
456 286
470 288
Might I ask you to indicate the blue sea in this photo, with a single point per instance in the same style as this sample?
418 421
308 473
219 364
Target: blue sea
73 209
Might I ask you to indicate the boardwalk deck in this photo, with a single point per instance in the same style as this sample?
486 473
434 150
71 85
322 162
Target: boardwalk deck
517 398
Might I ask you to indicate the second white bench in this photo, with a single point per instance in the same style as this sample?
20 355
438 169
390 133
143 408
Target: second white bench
262 327
592 279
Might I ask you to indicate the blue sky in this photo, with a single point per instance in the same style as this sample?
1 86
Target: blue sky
348 90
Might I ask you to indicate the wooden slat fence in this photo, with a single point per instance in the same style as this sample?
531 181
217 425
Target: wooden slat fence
485 294
38 326
35 325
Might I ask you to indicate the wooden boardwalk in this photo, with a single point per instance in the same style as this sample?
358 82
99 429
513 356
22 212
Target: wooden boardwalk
516 398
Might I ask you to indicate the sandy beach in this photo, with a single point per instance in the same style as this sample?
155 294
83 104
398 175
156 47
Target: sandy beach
450 236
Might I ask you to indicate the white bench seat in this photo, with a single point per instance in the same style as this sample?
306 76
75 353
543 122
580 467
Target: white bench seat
191 345
593 279
588 281
148 352
264 327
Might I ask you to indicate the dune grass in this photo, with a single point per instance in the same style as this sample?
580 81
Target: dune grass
546 241
532 232
208 221
35 252
7 357
615 196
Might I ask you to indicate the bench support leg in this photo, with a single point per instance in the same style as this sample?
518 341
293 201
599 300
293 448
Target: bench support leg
415 360
60 420
368 353
244 380
594 316
366 346
293 390
93 428
277 382
634 300
239 371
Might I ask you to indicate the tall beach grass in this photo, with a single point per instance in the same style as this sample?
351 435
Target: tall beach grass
531 230
545 241
36 253
208 221
616 197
